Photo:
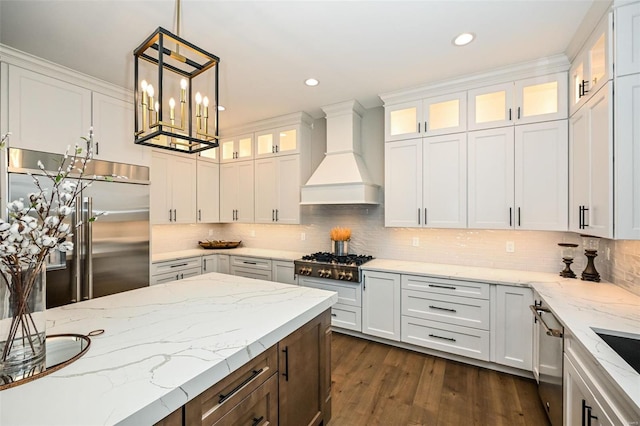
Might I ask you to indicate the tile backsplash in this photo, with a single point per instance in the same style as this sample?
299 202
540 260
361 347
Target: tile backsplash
534 250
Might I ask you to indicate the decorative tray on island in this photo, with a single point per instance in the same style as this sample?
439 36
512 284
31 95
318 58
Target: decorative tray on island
215 244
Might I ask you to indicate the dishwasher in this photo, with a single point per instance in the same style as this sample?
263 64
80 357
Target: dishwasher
547 359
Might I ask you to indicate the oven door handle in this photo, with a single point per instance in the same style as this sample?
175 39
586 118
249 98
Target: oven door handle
550 331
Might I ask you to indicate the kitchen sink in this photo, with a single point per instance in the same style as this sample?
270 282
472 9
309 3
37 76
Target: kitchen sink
627 345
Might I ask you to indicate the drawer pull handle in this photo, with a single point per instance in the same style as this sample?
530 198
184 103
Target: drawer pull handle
334 315
442 309
257 420
179 265
249 263
254 374
448 287
451 339
286 363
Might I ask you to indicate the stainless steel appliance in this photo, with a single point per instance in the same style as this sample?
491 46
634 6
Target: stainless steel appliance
111 254
328 265
548 349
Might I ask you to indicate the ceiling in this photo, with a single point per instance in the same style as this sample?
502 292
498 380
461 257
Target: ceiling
357 49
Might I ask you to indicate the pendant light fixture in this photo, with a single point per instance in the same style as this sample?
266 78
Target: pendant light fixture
176 93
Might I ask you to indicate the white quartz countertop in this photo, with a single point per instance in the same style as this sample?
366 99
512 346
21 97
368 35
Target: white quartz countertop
240 251
162 346
578 304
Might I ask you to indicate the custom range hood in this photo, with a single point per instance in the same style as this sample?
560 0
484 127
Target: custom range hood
342 176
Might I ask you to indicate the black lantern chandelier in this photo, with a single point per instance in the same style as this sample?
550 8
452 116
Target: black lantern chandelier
176 93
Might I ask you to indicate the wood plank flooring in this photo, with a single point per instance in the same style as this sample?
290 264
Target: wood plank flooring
376 384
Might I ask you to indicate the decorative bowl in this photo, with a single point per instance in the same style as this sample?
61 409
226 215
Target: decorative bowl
218 244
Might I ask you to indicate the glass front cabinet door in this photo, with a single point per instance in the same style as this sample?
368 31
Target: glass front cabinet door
403 121
280 141
541 99
237 148
445 114
491 106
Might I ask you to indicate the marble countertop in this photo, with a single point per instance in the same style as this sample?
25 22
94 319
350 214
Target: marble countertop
579 305
240 251
162 346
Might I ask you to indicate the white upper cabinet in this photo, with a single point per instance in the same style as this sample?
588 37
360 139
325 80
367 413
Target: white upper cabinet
173 188
113 131
591 68
627 36
47 114
208 191
627 154
430 117
211 155
524 101
238 148
403 183
280 141
277 190
236 192
541 176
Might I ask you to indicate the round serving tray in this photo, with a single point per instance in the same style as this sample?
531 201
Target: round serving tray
62 350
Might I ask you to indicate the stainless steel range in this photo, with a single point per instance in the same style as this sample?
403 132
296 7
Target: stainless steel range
330 266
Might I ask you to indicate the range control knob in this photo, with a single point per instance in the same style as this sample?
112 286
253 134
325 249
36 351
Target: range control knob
349 276
305 271
341 275
324 273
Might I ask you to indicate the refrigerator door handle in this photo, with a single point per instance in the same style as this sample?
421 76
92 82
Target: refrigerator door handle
89 247
76 277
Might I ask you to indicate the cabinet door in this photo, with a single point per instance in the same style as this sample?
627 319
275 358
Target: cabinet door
491 107
284 272
229 186
209 263
288 187
514 333
542 176
581 407
403 184
403 121
161 187
236 148
245 213
266 190
490 168
265 143
208 192
627 155
381 305
445 181
183 183
627 36
576 79
445 114
288 140
212 155
303 360
227 149
579 159
223 263
600 132
113 131
541 99
47 114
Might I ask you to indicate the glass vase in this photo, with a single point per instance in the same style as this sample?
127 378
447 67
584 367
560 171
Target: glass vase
22 323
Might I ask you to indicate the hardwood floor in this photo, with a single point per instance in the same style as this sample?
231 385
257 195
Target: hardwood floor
376 384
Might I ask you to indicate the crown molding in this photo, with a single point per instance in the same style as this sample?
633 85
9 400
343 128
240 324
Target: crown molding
270 123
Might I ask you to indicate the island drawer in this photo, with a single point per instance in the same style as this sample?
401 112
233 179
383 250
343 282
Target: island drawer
213 404
158 268
464 311
454 339
251 262
260 407
446 286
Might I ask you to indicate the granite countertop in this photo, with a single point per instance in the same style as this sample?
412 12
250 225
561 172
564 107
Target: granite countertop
240 251
162 346
579 305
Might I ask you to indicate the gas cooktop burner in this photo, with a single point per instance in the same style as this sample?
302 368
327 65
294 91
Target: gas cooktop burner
349 259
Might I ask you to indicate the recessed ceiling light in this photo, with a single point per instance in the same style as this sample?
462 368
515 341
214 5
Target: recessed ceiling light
464 39
311 82
221 108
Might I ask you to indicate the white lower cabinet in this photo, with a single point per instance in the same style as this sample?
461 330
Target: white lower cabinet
347 313
513 327
251 267
209 263
284 272
581 407
224 264
173 270
381 305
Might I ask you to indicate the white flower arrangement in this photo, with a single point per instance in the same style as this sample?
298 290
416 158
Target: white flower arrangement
34 228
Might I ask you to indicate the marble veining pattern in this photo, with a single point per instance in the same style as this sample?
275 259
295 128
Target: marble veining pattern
162 346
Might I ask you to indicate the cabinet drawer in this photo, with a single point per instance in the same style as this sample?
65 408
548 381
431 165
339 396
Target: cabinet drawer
175 275
215 403
259 408
257 274
251 262
348 294
454 339
445 286
456 310
345 316
173 265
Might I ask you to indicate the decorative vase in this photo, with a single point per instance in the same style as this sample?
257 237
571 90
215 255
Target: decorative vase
22 323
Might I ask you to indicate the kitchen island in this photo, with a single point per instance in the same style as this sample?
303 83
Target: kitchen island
162 347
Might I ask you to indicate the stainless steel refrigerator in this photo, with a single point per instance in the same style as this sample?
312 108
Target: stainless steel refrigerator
111 254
